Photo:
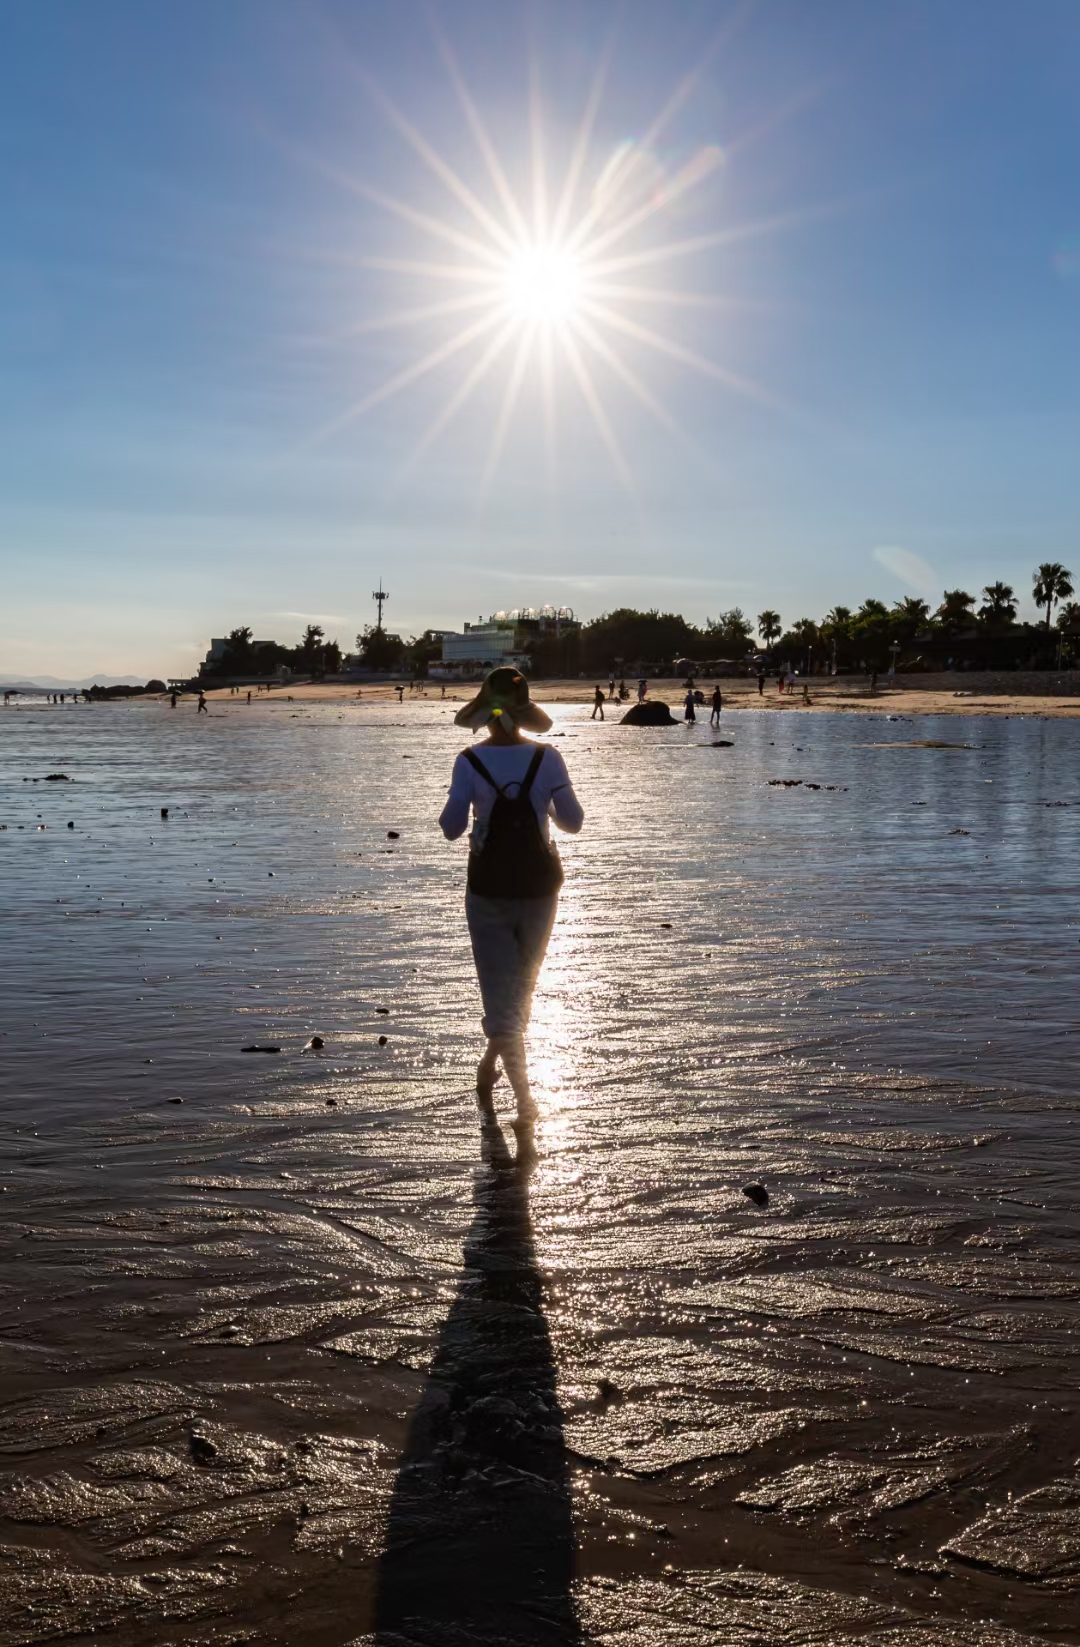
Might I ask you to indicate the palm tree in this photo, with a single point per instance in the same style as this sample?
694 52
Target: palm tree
912 610
769 627
955 610
838 618
1053 582
1069 616
999 605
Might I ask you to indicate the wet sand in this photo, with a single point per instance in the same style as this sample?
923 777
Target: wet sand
309 1358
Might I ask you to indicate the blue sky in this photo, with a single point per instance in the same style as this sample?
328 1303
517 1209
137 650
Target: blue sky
189 309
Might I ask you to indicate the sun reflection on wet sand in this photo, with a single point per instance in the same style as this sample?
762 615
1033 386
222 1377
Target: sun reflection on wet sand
844 1413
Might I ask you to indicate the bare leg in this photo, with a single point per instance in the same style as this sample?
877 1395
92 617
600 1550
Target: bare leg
512 1049
487 1070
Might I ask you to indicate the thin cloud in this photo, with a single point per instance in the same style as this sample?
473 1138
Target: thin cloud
910 569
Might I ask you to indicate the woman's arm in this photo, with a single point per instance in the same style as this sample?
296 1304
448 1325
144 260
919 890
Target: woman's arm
564 806
454 818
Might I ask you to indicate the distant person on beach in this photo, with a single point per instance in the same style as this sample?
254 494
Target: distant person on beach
642 688
873 680
202 709
761 683
512 785
717 705
400 690
249 697
172 700
688 709
598 703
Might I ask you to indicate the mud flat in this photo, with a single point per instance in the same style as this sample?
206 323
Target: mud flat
308 1358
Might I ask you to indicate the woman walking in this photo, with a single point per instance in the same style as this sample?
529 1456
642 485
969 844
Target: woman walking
512 786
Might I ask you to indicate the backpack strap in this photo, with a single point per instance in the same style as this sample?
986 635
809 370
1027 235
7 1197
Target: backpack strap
534 767
475 761
526 783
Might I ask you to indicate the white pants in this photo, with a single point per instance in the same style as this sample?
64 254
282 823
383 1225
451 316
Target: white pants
509 941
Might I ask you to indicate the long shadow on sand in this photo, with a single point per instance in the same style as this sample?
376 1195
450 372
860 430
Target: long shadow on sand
480 1539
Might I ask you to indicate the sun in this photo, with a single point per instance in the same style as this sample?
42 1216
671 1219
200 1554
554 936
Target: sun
544 284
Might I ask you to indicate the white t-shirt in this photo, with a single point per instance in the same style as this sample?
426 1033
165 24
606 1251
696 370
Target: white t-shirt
552 793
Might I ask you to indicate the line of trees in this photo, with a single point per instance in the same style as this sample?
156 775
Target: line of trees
313 655
961 630
963 626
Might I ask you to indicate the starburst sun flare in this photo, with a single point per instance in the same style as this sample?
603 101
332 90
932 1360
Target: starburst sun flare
543 282
542 285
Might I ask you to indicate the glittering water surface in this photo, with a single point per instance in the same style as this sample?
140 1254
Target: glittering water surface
308 1358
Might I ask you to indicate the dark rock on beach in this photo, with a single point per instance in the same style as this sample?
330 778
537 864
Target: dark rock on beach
203 1450
757 1193
649 714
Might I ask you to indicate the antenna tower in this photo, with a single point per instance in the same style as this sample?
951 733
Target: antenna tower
379 595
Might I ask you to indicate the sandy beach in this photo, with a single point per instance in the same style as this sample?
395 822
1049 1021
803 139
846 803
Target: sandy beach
852 697
291 1350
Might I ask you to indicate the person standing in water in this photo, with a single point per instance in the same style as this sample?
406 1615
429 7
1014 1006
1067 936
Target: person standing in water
688 708
717 705
598 703
512 786
202 709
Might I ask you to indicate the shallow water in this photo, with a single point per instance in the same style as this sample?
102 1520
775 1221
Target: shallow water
250 1343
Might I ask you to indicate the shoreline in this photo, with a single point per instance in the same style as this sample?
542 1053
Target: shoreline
825 695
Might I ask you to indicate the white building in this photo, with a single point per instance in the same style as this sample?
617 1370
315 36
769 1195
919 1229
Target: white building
501 639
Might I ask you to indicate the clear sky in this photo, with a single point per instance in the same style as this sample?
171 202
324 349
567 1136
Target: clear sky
825 344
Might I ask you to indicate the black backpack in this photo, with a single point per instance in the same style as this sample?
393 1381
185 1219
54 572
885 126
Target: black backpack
514 861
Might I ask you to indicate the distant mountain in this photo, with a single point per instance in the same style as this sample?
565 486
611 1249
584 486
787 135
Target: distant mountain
50 683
